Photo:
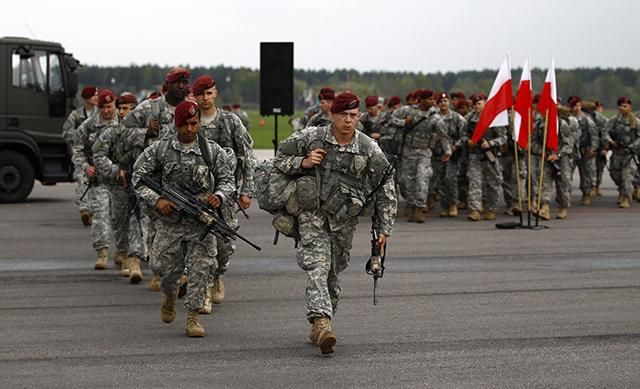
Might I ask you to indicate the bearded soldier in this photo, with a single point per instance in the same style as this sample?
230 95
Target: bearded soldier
338 170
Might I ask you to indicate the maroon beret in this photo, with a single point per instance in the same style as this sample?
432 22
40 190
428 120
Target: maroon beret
126 98
88 92
477 97
327 94
573 100
536 98
624 100
226 108
154 95
458 95
203 83
441 96
235 106
462 103
345 101
371 101
106 96
393 101
177 73
184 111
424 94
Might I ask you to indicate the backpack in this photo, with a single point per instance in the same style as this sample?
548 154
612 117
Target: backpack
273 188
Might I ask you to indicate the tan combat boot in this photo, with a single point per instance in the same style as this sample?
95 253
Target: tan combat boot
594 191
412 215
474 216
193 327
168 307
86 218
489 215
586 199
217 294
562 213
636 194
326 339
122 260
102 259
154 285
544 213
598 191
120 255
419 215
462 205
444 213
624 202
453 211
135 274
313 334
207 308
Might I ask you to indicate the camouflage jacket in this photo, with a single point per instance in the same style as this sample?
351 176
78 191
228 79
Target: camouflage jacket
430 133
227 130
588 131
244 118
495 136
73 121
183 165
138 120
601 122
568 136
109 152
308 114
370 125
357 167
320 119
456 129
85 136
619 130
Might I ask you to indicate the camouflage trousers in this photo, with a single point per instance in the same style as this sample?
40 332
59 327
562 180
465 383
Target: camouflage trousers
561 179
225 249
463 181
623 169
177 246
414 177
485 180
509 182
120 216
449 183
139 222
586 168
322 254
100 207
437 175
82 181
601 163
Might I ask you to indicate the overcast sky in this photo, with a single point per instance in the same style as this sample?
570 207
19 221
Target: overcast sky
413 35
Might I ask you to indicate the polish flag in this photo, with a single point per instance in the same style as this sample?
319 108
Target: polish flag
548 107
523 117
500 99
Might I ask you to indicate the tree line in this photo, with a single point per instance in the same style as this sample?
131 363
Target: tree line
241 85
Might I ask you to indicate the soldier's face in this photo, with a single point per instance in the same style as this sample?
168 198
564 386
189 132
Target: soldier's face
373 111
345 122
325 105
93 100
444 105
478 106
577 108
189 130
624 108
207 99
178 89
108 111
124 109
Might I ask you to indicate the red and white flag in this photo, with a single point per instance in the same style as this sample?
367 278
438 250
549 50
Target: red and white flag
548 107
523 116
500 99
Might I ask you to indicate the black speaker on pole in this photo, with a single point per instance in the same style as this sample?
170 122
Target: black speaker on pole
276 78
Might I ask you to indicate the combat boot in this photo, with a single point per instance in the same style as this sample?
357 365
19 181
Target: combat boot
122 260
594 191
326 339
135 274
453 211
412 215
636 194
313 334
586 199
168 307
598 191
624 202
193 327
102 259
154 285
619 199
120 255
86 218
562 213
489 215
474 216
217 294
419 215
183 286
544 213
207 308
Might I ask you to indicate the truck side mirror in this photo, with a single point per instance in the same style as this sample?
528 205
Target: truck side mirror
72 65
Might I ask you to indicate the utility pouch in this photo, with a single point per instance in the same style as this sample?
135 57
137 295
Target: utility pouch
306 193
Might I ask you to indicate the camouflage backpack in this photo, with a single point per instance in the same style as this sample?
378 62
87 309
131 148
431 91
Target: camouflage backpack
273 188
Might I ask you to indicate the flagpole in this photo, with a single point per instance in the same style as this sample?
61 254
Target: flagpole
515 152
544 147
529 171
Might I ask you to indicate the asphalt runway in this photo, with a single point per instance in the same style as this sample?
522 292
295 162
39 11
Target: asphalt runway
461 305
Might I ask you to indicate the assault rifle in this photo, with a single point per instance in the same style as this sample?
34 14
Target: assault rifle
92 181
375 264
192 206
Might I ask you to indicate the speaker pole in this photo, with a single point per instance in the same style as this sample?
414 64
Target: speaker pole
276 111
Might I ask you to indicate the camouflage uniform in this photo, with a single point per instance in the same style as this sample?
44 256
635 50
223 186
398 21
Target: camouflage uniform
308 114
419 143
328 213
601 160
509 182
320 119
485 177
370 125
244 118
622 166
456 128
177 243
101 203
227 131
588 141
69 127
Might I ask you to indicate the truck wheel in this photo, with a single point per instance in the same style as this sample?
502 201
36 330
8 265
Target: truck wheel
16 177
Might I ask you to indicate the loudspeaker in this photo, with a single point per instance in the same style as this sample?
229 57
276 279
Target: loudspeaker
276 78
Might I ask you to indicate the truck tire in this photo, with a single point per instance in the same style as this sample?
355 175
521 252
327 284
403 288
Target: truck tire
16 177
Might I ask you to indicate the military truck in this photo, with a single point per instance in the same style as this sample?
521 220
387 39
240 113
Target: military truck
38 84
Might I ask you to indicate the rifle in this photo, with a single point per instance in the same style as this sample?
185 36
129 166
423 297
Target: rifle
375 264
90 184
192 206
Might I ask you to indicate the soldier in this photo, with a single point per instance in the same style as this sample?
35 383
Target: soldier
595 112
589 143
85 136
227 131
623 138
323 117
340 170
242 114
178 159
484 172
111 162
151 119
462 107
388 131
510 181
419 141
74 120
314 109
456 127
371 119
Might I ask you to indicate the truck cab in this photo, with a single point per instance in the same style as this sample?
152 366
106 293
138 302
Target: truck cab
38 84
